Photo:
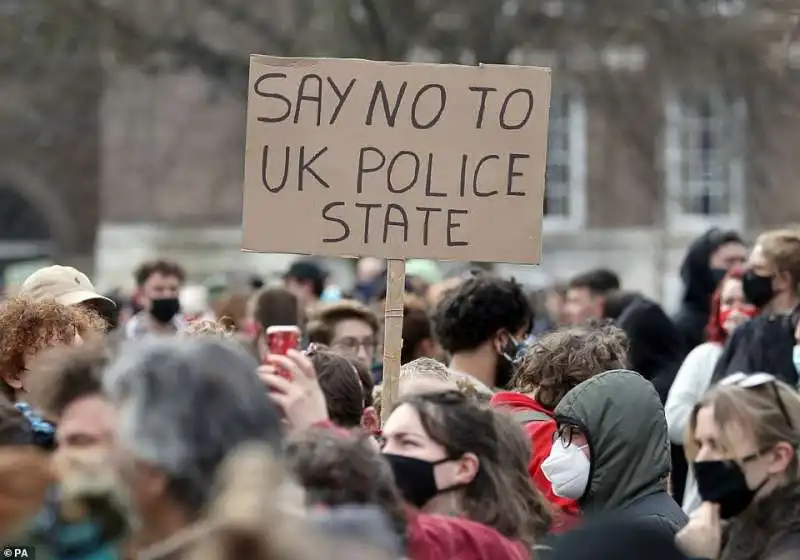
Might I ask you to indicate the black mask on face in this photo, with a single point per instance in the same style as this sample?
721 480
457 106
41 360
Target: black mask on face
757 289
415 478
504 370
164 310
724 483
717 274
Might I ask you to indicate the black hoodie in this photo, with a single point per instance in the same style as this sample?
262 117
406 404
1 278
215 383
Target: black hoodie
699 284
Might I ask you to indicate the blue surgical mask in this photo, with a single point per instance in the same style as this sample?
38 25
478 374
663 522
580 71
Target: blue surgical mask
796 358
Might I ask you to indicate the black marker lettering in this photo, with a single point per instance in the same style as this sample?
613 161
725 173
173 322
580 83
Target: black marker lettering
503 124
305 167
327 217
482 109
388 221
429 180
271 95
342 95
435 119
367 212
364 170
316 97
426 222
478 167
451 225
391 115
415 175
512 159
264 180
463 188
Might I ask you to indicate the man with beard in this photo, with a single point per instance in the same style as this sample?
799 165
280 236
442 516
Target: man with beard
482 324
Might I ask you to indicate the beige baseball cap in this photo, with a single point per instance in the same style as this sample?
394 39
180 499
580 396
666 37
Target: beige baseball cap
67 285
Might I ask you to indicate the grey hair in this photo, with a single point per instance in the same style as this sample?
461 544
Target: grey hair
185 404
427 368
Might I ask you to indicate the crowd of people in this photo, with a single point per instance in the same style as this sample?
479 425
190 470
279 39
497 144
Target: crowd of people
579 422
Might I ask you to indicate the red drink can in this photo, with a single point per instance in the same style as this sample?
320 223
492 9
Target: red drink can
280 339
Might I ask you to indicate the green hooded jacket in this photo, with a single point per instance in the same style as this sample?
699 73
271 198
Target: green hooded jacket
623 419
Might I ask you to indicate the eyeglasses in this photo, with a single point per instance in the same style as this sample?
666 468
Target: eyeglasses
755 381
353 344
566 433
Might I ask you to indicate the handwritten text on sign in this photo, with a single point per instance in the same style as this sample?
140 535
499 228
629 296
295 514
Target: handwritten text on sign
350 157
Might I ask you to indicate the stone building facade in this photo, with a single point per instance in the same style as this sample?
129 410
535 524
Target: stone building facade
155 168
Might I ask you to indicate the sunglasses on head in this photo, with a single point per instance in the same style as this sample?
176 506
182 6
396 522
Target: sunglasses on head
756 380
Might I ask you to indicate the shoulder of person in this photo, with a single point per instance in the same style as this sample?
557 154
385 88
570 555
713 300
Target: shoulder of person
705 352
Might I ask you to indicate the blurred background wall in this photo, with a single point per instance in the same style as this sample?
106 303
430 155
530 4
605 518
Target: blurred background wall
122 123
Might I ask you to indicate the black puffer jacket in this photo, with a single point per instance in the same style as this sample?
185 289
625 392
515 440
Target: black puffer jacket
656 347
764 344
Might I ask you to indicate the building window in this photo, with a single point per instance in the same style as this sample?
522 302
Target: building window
704 160
565 194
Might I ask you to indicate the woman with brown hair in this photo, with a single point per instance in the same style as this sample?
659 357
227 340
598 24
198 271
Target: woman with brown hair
451 456
743 438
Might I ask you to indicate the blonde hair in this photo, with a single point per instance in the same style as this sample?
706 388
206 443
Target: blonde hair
758 411
207 327
427 368
782 247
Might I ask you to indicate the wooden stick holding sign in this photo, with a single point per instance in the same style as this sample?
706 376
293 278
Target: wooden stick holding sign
392 334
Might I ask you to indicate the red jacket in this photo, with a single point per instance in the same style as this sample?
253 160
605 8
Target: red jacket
437 537
541 434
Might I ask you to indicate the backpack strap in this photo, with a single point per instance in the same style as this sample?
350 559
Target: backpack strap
525 417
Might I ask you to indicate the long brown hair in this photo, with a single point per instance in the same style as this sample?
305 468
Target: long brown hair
495 497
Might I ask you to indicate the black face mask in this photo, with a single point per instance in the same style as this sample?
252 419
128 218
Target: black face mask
415 478
164 310
757 289
505 368
724 483
717 274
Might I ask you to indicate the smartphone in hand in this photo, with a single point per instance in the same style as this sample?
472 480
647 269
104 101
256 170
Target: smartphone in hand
280 339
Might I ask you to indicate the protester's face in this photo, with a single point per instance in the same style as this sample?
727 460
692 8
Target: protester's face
355 338
733 306
582 306
760 264
573 436
159 286
87 422
733 442
404 435
728 256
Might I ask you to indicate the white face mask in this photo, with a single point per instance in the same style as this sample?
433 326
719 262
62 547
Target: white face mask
796 358
567 469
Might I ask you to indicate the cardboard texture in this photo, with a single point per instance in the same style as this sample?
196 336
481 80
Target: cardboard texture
395 160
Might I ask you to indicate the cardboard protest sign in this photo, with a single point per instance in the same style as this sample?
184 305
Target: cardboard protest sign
395 160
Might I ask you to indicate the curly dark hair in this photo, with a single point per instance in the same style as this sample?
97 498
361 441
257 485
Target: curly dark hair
559 361
470 314
339 469
29 325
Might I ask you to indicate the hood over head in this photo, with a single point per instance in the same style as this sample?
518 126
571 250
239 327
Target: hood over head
698 280
623 420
